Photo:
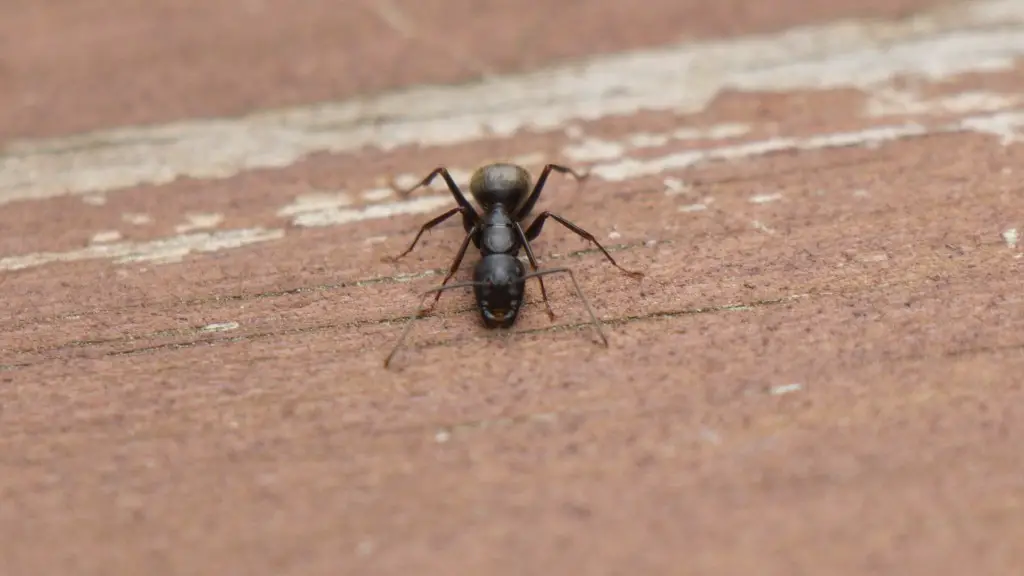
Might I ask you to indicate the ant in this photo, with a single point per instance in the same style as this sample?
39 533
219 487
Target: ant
499 277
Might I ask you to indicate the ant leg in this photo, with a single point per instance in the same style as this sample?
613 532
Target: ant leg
421 313
535 266
460 198
579 292
534 230
531 201
423 229
455 264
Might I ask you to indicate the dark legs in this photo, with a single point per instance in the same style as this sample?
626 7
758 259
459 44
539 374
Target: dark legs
579 292
470 220
538 224
455 264
421 312
460 198
535 266
531 201
538 273
423 229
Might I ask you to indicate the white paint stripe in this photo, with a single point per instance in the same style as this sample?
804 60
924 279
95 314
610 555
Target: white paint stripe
172 249
1010 236
105 236
679 78
158 251
718 131
594 149
377 194
1005 125
315 203
765 198
137 219
1000 124
335 216
199 222
220 327
630 168
693 208
892 102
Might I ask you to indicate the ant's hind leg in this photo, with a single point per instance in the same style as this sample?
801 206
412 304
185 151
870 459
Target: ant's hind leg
534 230
535 266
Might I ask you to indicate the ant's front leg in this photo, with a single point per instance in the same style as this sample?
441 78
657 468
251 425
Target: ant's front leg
431 224
441 171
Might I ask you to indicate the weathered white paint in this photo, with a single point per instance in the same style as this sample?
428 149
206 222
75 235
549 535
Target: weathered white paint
333 210
377 194
338 216
105 236
765 198
693 208
619 167
1010 236
784 389
137 219
596 149
220 327
593 149
195 222
1005 125
889 101
316 202
982 35
676 187
714 132
158 251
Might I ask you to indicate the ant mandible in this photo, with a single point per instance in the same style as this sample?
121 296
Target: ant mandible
499 278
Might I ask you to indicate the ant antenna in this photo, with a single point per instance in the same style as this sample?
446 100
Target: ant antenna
579 292
422 310
419 313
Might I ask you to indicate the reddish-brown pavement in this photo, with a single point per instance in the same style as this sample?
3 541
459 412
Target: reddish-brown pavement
820 373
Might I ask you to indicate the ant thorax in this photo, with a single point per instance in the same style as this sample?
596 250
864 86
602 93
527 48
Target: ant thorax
498 235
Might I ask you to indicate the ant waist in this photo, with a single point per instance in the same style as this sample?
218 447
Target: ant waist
499 240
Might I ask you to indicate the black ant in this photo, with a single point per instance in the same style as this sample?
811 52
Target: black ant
499 278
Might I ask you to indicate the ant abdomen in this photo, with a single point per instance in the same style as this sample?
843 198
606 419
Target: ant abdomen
500 185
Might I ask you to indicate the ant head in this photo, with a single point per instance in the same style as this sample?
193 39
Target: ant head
499 289
500 184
